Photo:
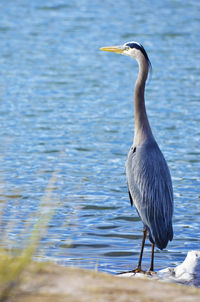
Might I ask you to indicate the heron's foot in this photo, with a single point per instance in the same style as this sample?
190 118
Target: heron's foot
150 273
138 270
135 271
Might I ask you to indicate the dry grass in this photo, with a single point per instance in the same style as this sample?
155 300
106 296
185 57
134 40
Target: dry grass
14 262
55 283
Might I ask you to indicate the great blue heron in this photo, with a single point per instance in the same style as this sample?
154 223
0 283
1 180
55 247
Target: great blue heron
148 176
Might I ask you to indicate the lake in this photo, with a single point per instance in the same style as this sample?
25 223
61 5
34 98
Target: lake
67 123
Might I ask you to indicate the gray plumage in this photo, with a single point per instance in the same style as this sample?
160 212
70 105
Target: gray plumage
150 188
148 176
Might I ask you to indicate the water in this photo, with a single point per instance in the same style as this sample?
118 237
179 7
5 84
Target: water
66 112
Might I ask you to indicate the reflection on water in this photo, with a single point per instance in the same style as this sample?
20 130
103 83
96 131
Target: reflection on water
65 107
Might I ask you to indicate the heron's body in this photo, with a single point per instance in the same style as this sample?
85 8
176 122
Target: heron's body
148 176
150 189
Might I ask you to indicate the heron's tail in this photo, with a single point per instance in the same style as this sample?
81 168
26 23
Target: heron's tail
161 237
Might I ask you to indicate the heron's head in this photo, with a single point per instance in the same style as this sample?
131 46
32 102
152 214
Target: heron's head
132 49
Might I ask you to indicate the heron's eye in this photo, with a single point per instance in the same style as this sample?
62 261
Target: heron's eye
127 47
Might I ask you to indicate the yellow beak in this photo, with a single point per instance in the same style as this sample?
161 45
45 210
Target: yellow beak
116 49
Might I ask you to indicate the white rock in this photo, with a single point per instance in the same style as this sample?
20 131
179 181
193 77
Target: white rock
187 273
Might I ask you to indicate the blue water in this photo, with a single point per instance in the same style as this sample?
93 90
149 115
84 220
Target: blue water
66 116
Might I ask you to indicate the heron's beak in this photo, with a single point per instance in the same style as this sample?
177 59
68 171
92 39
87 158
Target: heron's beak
117 49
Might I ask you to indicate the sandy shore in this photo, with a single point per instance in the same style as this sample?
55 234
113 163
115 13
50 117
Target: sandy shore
53 283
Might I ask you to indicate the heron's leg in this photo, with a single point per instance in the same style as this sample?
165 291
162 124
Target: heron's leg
142 248
152 258
139 269
151 271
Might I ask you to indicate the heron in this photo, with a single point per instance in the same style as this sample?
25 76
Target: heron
148 176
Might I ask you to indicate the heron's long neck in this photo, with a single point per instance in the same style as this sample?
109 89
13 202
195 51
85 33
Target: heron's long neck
142 127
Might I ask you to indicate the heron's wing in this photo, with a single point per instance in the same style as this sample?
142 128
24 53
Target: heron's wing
150 187
131 199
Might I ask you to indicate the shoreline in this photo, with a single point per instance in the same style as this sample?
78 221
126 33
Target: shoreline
42 282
